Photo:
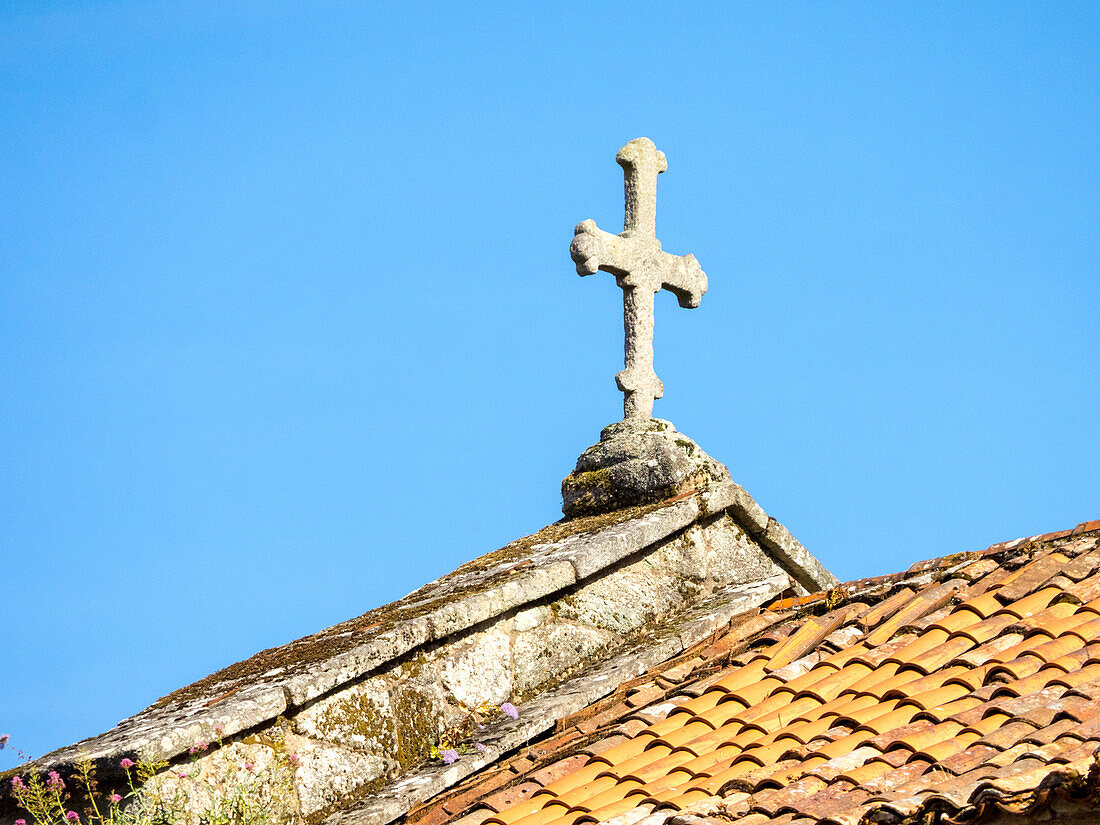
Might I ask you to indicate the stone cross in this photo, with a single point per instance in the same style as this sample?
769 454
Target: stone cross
641 269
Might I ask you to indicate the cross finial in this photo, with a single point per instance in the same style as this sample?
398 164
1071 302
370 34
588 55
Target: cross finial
641 269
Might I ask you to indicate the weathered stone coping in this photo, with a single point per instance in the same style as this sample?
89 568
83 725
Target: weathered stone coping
276 682
541 714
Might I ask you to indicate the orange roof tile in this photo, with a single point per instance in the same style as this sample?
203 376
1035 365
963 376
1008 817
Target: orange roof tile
963 680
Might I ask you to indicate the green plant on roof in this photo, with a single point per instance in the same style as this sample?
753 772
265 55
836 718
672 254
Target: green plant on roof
251 797
462 738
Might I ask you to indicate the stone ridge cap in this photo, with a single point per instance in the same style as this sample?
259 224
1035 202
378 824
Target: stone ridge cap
258 690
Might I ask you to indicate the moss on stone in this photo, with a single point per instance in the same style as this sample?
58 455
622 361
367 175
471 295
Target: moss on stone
689 446
418 724
587 492
359 721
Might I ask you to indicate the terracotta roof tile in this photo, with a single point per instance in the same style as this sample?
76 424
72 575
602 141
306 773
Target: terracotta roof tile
935 658
740 677
831 683
1027 605
1018 668
973 756
533 815
1082 566
933 597
1068 750
687 733
461 801
1006 735
776 800
1087 690
1057 618
878 723
796 601
434 816
807 637
991 651
942 748
643 695
511 796
556 743
557 770
971 676
653 764
1031 576
984 605
886 608
876 655
836 797
566 783
986 724
1087 631
475 817
977 568
1086 590
631 727
885 678
598 746
841 745
601 794
709 763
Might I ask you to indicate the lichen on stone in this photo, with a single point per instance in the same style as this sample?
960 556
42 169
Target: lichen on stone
637 462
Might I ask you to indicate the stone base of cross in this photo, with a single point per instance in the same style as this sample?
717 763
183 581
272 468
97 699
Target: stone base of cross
641 269
637 462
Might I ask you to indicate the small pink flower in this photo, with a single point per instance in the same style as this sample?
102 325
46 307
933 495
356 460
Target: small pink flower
509 710
293 759
248 766
54 782
126 763
72 816
17 783
116 798
20 822
449 756
198 746
181 775
219 729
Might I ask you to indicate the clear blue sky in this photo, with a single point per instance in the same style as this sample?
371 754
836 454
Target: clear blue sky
288 324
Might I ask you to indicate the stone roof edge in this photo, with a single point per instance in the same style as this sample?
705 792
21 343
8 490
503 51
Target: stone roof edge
554 566
542 713
788 551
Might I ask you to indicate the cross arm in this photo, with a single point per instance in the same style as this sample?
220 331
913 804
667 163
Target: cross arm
683 277
593 249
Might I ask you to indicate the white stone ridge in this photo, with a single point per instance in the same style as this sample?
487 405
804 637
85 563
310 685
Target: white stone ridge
360 702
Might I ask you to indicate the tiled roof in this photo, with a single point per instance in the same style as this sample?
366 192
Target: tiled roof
967 684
